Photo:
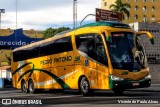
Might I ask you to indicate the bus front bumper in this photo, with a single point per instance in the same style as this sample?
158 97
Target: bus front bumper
128 84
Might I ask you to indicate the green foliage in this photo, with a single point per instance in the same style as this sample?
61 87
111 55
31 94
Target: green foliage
120 7
50 32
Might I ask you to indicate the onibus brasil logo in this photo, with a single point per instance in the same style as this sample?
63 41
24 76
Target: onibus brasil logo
17 101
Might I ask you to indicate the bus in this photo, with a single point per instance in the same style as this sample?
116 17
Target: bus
96 56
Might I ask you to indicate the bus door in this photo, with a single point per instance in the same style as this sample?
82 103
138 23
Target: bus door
86 57
102 64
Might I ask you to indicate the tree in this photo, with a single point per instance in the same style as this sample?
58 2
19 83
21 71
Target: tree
50 32
120 7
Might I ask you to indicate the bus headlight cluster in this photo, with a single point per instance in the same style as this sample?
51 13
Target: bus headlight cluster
113 77
148 76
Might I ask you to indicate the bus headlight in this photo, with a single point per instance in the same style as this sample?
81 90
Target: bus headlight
113 77
148 76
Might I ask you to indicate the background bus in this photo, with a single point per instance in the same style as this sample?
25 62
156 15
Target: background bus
96 56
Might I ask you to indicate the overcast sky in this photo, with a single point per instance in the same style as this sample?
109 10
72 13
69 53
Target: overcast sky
42 14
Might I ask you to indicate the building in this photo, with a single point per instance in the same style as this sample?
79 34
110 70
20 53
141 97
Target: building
5 77
4 53
5 72
141 10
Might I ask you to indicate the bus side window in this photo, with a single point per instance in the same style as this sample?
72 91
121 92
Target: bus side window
86 44
32 53
92 45
57 46
100 50
19 55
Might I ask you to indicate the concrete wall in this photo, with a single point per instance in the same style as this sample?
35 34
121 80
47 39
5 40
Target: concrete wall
155 72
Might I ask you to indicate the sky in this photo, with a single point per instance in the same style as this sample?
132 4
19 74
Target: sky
43 14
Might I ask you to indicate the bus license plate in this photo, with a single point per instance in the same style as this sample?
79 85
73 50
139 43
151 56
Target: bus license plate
135 84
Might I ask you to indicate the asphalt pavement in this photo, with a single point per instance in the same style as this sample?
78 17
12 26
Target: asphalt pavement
152 88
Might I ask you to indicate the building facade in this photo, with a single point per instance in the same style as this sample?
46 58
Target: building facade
140 11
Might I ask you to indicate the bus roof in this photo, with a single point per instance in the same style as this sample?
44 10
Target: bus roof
103 23
107 23
95 24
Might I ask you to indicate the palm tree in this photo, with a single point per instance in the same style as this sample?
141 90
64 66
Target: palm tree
120 7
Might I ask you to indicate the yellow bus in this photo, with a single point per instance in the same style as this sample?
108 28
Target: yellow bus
96 56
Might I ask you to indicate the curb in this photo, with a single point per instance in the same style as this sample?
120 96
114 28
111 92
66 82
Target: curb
6 89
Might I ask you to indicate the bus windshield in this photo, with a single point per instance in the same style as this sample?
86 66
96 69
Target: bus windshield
120 50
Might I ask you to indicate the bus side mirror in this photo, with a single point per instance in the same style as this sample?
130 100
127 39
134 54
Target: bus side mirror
150 36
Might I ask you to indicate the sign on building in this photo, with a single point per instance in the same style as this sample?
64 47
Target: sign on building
16 39
108 15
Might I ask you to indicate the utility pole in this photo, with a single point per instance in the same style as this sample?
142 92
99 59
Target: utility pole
1 11
74 13
16 12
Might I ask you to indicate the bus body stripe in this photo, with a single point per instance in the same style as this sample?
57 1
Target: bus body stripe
55 78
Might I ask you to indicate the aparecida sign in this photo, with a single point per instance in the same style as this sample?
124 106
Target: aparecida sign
16 39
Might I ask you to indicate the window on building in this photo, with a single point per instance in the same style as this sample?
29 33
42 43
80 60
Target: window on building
144 0
144 8
105 3
136 17
136 8
153 17
153 8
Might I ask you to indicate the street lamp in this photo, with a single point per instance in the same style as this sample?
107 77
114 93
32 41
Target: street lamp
1 11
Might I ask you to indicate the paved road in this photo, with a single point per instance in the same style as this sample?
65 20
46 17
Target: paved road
72 99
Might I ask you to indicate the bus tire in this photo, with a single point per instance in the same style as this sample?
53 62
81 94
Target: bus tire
31 87
118 91
24 87
84 86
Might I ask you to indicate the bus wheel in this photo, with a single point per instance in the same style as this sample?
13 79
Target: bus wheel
84 86
118 91
31 87
24 87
